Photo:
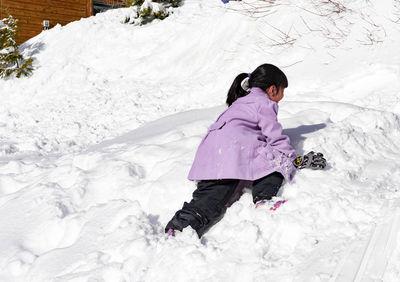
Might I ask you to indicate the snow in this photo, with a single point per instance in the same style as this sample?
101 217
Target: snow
95 147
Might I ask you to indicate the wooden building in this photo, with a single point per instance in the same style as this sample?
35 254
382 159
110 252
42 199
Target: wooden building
36 15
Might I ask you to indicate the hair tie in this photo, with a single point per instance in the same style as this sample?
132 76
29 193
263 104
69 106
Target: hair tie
245 84
249 74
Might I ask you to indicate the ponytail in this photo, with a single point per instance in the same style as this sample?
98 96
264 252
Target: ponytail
262 77
236 91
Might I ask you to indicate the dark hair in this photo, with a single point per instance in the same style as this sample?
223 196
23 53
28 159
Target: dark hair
262 77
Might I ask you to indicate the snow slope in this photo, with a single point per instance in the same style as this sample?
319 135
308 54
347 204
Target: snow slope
95 147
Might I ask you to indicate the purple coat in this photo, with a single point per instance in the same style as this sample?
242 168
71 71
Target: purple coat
245 142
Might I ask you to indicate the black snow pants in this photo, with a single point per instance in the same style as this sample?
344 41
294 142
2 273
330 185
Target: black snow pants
212 197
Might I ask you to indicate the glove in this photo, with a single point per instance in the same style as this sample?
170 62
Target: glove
311 160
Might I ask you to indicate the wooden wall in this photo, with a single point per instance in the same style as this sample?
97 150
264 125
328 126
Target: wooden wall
31 14
114 2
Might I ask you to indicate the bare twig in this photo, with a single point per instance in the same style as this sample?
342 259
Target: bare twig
309 28
368 19
333 23
282 38
256 10
372 38
295 63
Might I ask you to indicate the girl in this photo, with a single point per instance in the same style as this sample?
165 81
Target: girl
245 143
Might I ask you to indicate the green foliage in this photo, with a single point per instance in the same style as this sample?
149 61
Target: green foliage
11 61
146 11
26 69
161 14
173 3
134 2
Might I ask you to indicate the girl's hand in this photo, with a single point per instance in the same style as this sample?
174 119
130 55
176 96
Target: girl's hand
311 160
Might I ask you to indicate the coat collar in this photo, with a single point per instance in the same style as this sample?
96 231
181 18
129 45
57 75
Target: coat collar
257 91
255 94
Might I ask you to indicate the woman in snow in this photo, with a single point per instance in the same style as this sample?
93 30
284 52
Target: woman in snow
245 143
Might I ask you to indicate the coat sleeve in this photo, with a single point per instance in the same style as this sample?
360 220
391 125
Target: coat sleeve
272 129
279 146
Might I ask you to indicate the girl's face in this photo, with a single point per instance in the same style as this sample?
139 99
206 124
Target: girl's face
275 94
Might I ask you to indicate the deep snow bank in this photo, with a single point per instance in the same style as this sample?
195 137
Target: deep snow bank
77 207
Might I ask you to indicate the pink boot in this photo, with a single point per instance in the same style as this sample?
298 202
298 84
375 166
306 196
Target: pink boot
273 204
